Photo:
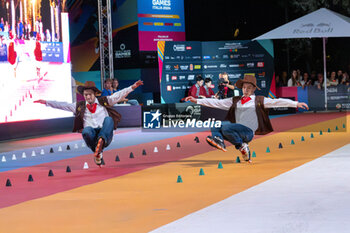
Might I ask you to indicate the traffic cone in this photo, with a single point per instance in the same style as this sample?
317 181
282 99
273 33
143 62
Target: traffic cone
33 153
50 173
51 150
3 159
343 126
75 146
68 169
329 130
336 128
220 165
321 132
292 142
280 146
86 166
302 138
144 152
168 147
59 148
179 179
268 150
155 149
131 155
30 178
8 183
178 144
14 157
312 135
254 154
24 155
117 158
68 147
201 172
196 139
42 152
238 160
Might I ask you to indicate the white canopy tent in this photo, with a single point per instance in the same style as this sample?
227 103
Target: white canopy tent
321 23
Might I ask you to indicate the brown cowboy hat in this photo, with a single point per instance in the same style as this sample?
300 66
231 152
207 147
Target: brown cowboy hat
88 85
247 79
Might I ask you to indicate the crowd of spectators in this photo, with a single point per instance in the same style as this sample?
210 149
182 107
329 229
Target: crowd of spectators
298 78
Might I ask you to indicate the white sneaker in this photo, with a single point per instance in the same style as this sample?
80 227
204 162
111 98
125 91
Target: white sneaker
98 159
245 151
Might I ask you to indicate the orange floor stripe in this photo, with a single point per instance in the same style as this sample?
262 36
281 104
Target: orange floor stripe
145 200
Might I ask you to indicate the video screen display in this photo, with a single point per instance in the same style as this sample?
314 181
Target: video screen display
34 60
160 20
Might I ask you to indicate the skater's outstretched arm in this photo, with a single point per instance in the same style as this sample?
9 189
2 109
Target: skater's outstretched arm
281 102
224 104
120 95
59 105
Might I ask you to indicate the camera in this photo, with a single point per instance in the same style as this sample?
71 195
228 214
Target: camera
222 81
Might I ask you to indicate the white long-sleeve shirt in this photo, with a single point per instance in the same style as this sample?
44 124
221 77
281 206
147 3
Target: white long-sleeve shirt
245 113
95 120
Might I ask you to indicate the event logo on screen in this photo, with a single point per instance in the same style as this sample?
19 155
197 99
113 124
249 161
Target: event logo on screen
161 4
151 120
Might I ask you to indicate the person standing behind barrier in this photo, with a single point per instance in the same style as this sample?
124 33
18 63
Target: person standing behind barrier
320 80
333 80
294 79
305 81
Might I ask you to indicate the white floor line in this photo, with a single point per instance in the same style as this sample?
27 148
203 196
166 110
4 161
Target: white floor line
314 197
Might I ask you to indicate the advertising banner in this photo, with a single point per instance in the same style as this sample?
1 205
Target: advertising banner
181 62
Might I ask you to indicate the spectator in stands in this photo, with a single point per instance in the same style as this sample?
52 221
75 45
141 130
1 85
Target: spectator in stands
339 76
313 77
197 90
299 77
209 93
284 78
319 82
115 85
306 81
345 79
279 82
294 79
115 88
226 87
108 90
333 80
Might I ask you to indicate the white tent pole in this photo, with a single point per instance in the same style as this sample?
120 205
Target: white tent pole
324 72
